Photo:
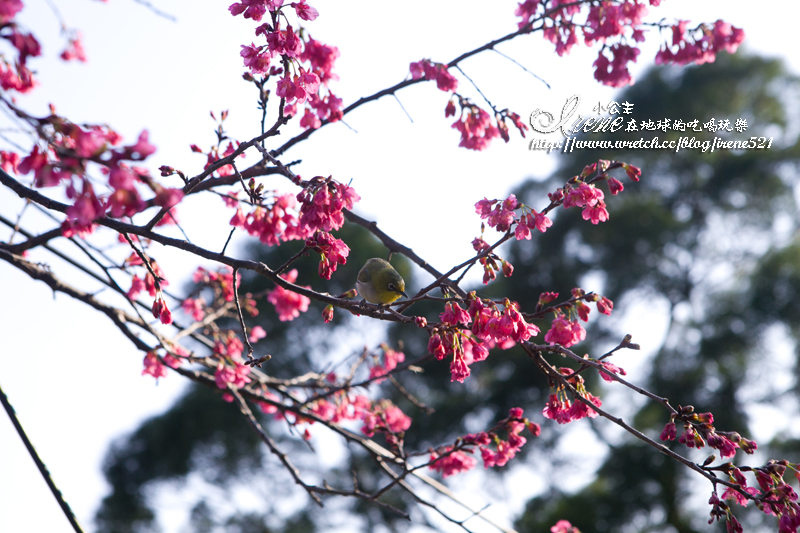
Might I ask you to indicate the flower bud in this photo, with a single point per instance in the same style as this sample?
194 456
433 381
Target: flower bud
327 313
508 269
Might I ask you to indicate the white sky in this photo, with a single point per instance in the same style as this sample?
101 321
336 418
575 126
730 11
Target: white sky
74 381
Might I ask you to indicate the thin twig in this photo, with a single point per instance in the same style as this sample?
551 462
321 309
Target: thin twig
403 108
521 66
241 317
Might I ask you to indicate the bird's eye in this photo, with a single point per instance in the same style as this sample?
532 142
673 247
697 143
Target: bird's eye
391 287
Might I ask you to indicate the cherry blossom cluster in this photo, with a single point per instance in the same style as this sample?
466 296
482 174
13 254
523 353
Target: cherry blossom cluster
321 203
580 191
566 329
155 365
376 416
74 49
153 282
564 526
563 410
501 215
451 460
491 262
15 75
333 252
64 162
476 128
699 430
776 497
231 371
701 44
426 69
272 224
469 334
475 125
614 25
306 65
489 326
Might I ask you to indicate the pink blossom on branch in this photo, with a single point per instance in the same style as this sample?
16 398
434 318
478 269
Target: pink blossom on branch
253 9
256 334
321 57
333 252
153 366
451 463
288 304
565 332
434 71
321 205
9 9
305 11
564 526
476 128
74 49
498 215
256 58
691 49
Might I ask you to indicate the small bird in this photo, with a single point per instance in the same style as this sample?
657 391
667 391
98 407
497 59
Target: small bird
379 283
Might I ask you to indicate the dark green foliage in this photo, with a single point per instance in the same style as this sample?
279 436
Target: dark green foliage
692 213
199 433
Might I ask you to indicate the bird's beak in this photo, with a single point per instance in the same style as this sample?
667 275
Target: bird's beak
404 294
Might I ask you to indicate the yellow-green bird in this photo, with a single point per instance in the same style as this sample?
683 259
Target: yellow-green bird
379 283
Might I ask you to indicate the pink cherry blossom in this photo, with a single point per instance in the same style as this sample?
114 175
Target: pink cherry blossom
391 359
233 374
74 49
9 9
605 306
168 197
252 9
476 128
153 366
322 57
256 334
612 368
596 213
453 314
565 332
288 304
305 11
615 186
449 464
194 307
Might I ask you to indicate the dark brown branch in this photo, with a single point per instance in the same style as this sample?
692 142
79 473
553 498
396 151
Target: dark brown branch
248 414
119 317
528 28
65 508
396 247
535 353
32 242
373 311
